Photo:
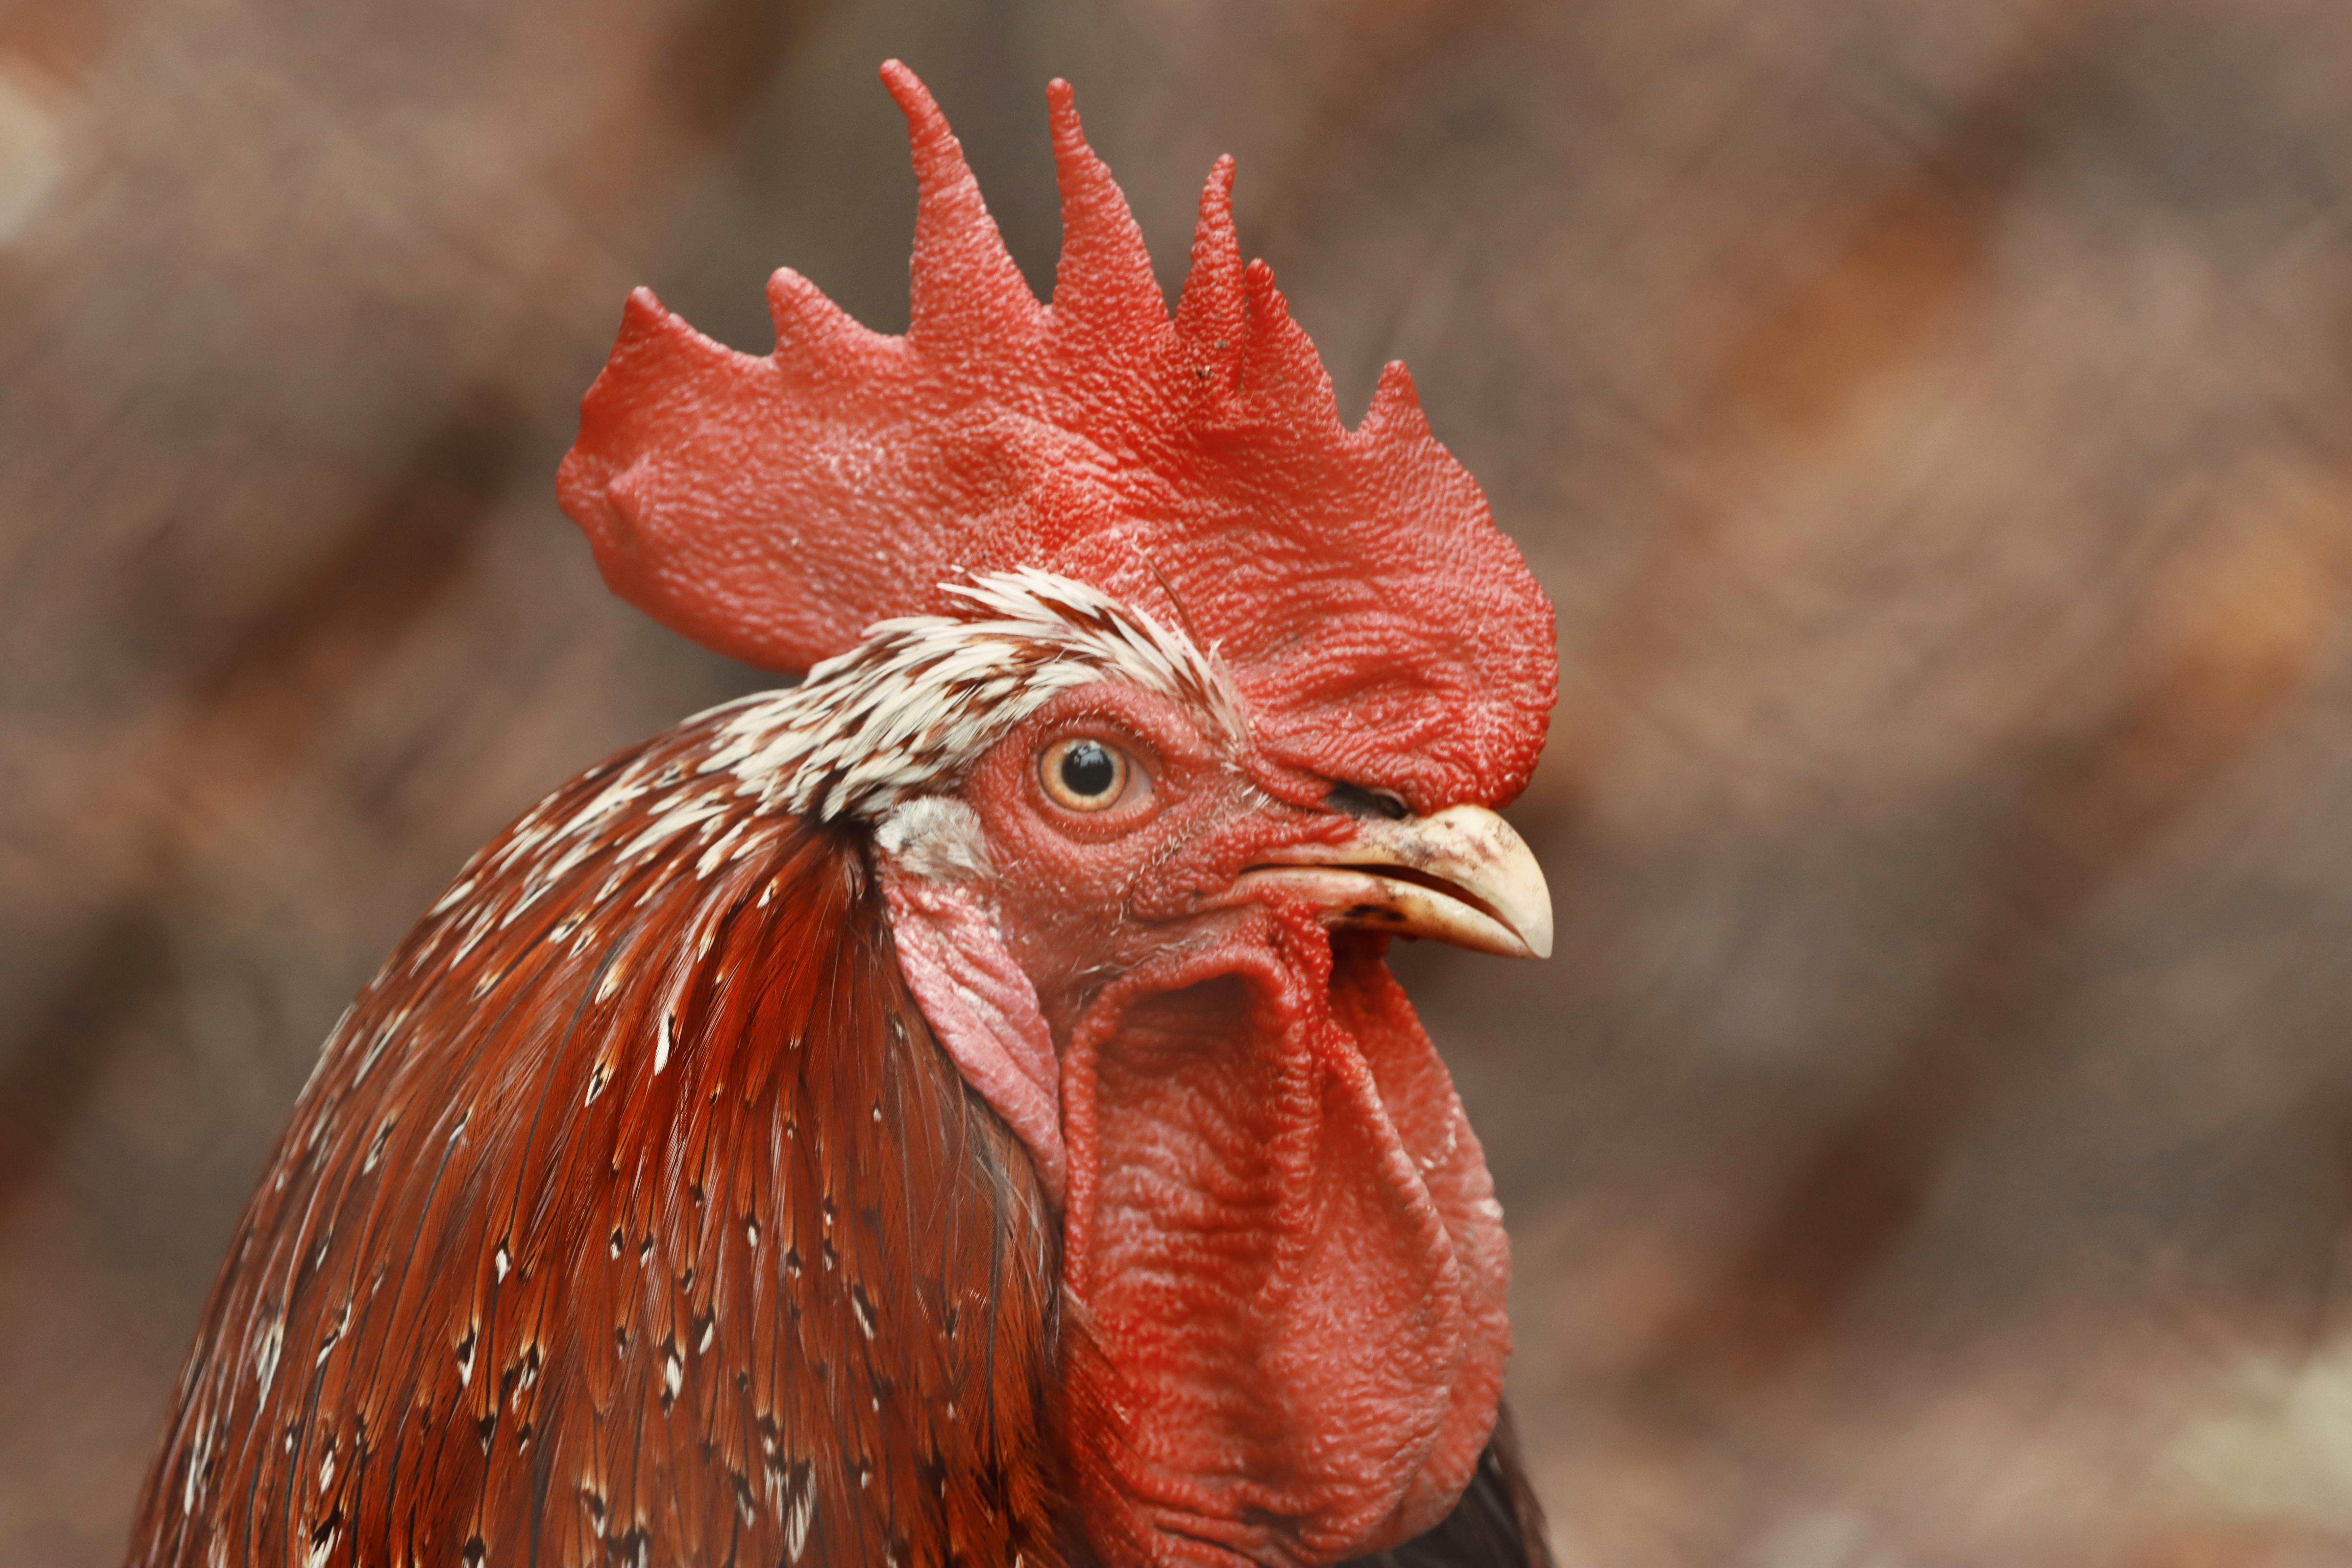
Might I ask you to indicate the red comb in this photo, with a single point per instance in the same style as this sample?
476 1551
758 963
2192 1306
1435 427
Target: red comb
1381 628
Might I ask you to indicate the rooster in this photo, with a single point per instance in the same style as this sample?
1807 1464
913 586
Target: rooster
953 1109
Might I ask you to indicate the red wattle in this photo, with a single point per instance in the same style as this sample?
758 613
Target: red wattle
1287 1268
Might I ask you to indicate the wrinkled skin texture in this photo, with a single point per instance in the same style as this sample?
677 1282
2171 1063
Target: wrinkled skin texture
1284 1268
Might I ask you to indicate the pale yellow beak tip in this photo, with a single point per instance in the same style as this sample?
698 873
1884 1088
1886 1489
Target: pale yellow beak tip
1461 876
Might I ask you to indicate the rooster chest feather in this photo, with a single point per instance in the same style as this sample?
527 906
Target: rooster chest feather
633 1205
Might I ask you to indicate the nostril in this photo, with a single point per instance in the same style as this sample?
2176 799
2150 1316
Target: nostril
1355 800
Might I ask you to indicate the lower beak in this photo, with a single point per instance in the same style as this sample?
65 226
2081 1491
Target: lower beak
1460 875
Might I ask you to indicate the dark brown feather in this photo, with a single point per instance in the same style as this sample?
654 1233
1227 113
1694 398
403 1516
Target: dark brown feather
525 1285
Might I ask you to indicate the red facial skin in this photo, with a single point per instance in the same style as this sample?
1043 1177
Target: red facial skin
1284 1268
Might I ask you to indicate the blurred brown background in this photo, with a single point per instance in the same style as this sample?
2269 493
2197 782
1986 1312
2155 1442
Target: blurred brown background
1932 1144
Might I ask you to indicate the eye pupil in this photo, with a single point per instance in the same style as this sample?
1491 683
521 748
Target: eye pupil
1081 774
1088 769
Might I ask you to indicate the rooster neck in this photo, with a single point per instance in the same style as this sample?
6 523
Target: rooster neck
632 1213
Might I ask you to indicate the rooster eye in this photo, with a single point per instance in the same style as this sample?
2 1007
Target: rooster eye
1084 775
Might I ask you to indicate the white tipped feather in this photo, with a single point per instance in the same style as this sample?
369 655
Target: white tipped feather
888 726
913 705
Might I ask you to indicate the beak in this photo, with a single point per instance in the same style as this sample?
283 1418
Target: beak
1460 875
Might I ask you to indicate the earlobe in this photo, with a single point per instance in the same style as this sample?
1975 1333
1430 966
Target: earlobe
981 1006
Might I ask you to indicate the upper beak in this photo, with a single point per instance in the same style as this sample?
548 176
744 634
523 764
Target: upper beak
1460 875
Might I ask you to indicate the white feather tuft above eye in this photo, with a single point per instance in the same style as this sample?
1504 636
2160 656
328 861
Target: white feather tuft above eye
902 715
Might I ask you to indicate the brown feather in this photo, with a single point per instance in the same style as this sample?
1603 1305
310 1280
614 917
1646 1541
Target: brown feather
633 1215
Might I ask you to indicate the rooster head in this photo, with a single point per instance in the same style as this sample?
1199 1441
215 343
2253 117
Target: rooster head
1167 700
